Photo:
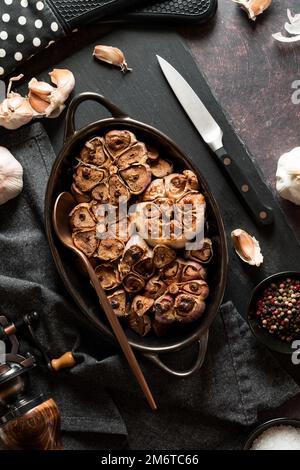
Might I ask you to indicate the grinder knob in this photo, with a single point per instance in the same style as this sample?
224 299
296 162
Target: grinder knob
64 361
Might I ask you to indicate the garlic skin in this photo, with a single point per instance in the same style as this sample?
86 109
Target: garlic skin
288 176
247 247
11 176
111 55
47 100
254 7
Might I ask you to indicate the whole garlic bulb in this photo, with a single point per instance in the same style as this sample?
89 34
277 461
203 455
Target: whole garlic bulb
11 176
288 176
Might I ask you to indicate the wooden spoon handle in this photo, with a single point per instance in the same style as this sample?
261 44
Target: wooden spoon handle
119 333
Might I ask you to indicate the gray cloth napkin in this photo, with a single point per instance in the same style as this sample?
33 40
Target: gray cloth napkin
101 405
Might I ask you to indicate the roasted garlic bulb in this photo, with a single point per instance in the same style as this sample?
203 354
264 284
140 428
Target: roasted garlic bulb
138 254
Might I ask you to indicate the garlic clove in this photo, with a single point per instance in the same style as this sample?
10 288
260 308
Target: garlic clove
254 7
288 176
247 247
118 301
42 89
155 287
11 176
110 249
108 276
15 112
132 283
86 241
117 141
163 255
137 177
141 305
111 55
155 189
81 217
188 308
135 154
37 103
139 324
204 254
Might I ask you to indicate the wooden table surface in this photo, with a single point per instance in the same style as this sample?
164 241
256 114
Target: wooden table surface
251 75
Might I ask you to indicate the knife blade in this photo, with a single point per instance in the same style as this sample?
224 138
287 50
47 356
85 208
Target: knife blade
212 135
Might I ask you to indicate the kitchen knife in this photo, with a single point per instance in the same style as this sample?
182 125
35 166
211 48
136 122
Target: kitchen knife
212 134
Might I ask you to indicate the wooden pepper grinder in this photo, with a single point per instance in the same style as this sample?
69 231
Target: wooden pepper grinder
26 421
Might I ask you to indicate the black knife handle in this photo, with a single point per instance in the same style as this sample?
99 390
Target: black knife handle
262 214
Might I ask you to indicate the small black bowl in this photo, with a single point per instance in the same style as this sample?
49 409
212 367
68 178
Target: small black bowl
272 342
269 424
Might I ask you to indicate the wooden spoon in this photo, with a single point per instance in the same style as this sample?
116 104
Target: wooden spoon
62 208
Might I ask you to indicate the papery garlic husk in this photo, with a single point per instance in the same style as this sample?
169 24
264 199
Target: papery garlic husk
254 7
135 154
15 111
155 190
93 153
111 55
117 141
101 193
86 241
109 249
203 254
79 195
140 324
247 247
163 255
137 177
117 190
108 276
164 309
86 177
288 176
155 287
188 308
132 283
192 270
160 167
11 176
81 217
118 301
141 305
196 287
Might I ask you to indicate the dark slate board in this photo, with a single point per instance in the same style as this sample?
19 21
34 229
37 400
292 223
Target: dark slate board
145 95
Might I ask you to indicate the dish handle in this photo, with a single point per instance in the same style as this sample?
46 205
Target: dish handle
202 347
88 96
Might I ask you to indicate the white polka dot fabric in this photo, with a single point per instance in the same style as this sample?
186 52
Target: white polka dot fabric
26 26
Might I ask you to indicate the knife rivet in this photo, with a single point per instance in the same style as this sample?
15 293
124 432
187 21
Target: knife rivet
227 161
245 188
263 215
